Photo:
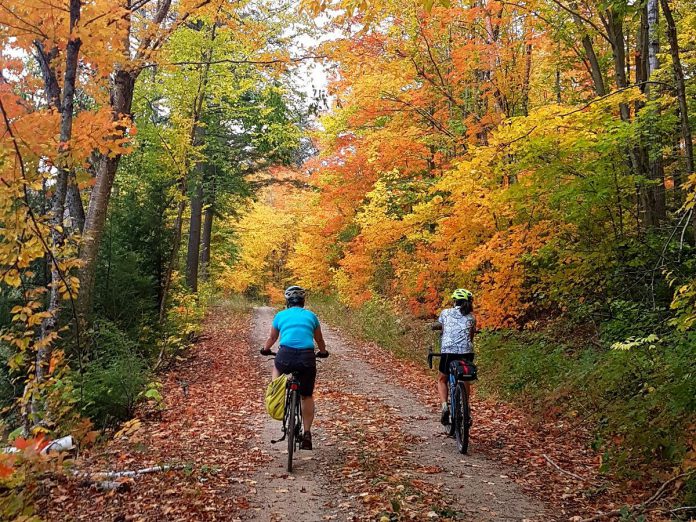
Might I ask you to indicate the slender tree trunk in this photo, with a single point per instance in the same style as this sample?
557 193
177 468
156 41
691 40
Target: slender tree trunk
653 35
616 36
681 88
527 79
174 257
208 215
49 325
53 95
194 237
654 150
588 46
49 74
75 206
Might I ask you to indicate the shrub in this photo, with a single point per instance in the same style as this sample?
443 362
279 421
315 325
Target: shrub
113 380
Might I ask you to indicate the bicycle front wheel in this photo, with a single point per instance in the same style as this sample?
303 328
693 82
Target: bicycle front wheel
462 417
450 426
291 427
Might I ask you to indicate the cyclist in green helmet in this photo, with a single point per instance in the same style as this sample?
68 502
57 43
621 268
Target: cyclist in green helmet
458 326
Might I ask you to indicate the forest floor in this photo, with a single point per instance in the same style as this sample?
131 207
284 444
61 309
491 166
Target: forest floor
380 453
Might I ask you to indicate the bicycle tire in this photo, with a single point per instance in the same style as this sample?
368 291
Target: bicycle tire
449 427
292 419
462 418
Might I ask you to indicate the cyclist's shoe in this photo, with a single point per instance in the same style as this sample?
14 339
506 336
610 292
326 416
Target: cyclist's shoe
306 443
445 418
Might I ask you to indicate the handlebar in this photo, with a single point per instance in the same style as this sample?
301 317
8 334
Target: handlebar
320 355
432 354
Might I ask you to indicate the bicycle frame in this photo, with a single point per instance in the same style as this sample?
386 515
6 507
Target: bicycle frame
292 386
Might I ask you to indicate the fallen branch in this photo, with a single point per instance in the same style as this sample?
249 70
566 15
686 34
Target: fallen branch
111 475
643 506
113 485
569 473
675 511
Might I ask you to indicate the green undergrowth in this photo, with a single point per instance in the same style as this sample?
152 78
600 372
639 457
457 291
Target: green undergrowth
637 396
379 322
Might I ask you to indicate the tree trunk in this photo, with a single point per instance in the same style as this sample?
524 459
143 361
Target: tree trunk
174 257
208 215
49 325
616 36
658 205
75 206
653 36
121 101
681 89
194 238
527 79
49 74
588 46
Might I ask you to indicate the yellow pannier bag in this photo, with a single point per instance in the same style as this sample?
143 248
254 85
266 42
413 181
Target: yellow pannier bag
275 397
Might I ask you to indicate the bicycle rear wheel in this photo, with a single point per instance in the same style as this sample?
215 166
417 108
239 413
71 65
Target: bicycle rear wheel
291 427
462 418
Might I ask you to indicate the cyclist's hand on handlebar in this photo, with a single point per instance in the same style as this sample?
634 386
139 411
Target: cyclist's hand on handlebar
266 351
322 354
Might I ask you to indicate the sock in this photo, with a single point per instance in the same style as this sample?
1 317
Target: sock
444 406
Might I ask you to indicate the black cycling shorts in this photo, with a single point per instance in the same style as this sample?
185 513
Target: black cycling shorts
303 362
447 358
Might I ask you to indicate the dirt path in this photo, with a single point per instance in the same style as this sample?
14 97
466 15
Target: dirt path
379 451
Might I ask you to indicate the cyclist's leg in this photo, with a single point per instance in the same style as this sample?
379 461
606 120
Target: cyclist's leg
308 377
307 413
442 377
442 387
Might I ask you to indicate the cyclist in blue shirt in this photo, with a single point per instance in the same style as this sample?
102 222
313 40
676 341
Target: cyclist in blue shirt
298 329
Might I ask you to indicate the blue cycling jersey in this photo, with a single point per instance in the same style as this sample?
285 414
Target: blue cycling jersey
296 326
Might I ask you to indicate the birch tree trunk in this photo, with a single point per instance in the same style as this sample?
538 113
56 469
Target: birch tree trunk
49 325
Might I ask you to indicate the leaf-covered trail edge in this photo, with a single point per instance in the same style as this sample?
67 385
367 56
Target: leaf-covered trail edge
213 417
209 418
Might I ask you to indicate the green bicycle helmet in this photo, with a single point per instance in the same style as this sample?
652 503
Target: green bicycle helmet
462 293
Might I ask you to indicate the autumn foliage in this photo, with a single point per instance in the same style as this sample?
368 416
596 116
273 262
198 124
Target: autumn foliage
468 146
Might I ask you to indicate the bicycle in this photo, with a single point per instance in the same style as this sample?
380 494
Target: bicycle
457 401
292 420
